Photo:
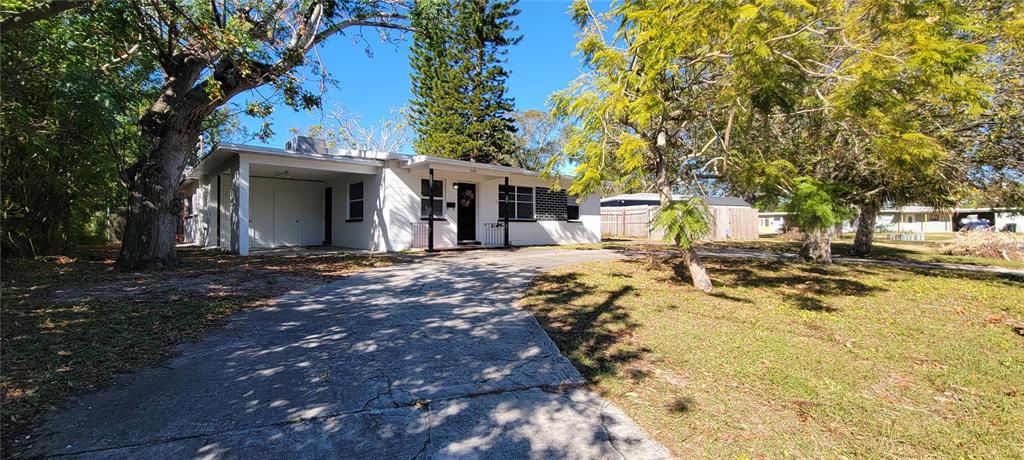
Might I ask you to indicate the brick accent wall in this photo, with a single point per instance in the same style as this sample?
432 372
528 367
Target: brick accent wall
550 204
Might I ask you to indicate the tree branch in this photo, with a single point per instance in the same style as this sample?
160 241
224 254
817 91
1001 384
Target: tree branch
41 11
380 21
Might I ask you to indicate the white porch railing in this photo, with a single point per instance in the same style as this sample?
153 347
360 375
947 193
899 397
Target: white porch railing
494 234
420 231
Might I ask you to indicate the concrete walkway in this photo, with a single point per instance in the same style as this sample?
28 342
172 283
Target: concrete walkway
422 360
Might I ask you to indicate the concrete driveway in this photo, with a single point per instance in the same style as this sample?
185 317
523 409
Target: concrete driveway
422 360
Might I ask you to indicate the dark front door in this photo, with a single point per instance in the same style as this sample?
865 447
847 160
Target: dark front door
467 212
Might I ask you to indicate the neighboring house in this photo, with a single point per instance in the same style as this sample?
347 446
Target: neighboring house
924 219
770 223
918 219
630 216
304 195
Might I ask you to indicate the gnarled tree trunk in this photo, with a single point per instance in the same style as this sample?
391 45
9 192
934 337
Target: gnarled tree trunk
171 128
865 228
817 246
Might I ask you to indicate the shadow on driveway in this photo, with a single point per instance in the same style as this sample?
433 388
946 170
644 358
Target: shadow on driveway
429 359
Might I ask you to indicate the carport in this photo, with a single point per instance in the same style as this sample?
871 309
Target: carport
972 215
275 199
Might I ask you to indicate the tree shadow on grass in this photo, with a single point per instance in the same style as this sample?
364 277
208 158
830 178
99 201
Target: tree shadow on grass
432 361
808 287
590 334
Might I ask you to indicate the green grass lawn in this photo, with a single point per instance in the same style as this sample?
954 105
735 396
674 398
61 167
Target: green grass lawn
69 324
794 360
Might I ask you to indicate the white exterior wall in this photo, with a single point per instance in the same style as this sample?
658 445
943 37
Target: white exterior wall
402 210
354 234
209 210
199 226
1003 218
391 210
915 222
261 210
770 225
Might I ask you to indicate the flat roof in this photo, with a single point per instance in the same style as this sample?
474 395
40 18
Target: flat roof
213 161
224 152
417 162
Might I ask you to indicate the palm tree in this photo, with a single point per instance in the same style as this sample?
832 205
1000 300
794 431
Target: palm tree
686 222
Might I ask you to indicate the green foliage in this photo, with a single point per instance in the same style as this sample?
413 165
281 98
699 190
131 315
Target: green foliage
459 107
995 165
817 205
883 92
902 88
655 102
67 120
685 222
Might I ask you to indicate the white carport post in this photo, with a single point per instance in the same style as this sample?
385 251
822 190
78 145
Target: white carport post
240 236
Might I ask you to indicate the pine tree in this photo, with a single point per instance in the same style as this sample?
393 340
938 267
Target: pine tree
459 107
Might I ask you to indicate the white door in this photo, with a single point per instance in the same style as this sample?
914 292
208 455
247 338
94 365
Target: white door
286 218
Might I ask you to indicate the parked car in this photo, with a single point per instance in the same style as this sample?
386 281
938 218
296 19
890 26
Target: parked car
976 226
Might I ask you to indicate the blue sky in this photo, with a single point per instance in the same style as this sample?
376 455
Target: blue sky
373 86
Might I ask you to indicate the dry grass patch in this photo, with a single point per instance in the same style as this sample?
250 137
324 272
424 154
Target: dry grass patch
931 251
789 359
69 323
1006 246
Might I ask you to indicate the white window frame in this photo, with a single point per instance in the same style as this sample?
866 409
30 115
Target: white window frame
444 191
349 201
514 201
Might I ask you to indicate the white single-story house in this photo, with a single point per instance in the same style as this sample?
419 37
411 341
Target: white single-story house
917 219
630 215
770 223
924 219
240 197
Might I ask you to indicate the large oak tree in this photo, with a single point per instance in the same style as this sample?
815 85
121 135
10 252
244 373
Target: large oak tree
209 52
